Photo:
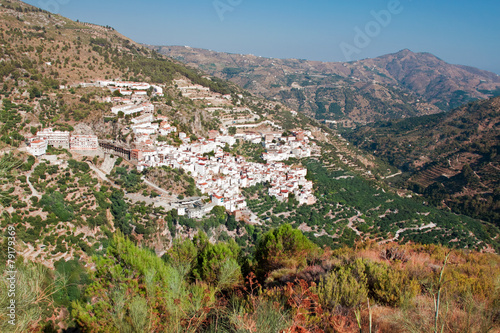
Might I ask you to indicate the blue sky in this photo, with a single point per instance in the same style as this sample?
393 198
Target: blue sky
459 31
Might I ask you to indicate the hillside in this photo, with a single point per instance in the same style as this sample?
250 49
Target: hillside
199 286
53 65
52 72
40 46
452 158
445 85
138 194
46 58
393 86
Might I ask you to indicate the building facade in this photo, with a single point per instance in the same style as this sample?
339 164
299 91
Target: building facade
37 147
83 142
59 139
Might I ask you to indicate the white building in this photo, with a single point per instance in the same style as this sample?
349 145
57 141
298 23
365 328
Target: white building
83 142
145 128
105 83
131 109
148 107
149 155
157 90
37 147
54 138
196 87
127 109
195 213
218 200
143 118
166 129
126 92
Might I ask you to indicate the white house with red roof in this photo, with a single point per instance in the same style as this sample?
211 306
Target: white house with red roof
37 147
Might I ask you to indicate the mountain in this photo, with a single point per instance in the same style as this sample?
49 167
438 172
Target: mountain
452 158
132 236
50 70
440 83
393 86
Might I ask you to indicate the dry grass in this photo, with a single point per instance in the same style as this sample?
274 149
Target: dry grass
418 316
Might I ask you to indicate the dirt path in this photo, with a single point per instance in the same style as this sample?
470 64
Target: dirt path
108 164
393 175
351 226
99 173
396 237
156 187
34 192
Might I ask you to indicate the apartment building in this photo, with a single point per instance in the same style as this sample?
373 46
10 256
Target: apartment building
59 139
83 142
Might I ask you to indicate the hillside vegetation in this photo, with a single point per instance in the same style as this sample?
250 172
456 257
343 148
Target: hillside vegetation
451 158
101 246
203 287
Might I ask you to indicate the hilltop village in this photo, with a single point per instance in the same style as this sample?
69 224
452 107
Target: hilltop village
217 172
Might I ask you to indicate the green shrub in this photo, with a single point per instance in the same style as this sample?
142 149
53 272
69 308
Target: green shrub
283 247
216 263
55 203
390 286
345 286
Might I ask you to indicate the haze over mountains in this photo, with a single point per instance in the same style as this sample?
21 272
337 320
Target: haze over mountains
392 86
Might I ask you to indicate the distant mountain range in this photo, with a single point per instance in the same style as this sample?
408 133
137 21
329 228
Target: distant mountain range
392 86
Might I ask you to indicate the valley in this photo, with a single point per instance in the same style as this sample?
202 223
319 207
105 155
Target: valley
173 189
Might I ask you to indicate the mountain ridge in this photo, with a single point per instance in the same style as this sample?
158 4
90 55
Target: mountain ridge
392 86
